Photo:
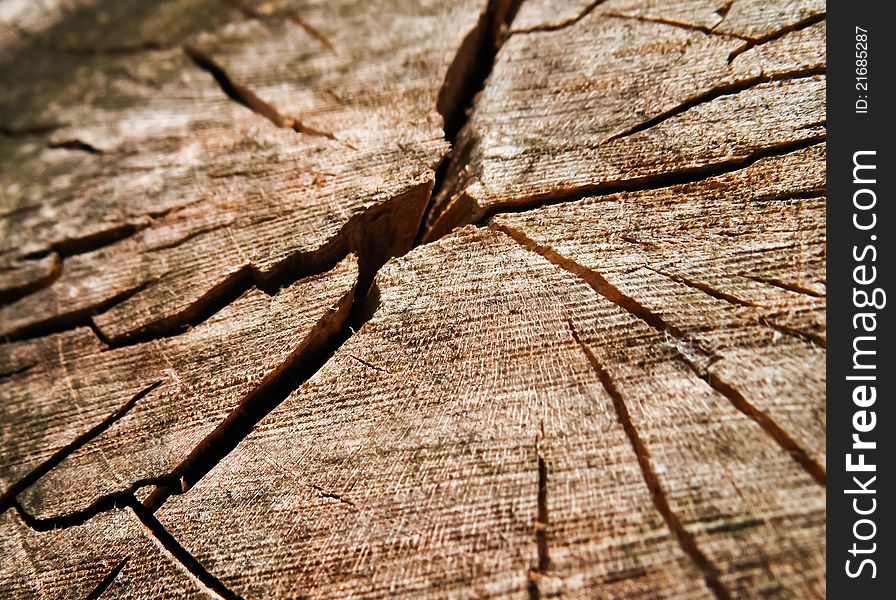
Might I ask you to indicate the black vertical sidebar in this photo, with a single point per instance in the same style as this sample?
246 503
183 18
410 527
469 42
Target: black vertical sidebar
861 421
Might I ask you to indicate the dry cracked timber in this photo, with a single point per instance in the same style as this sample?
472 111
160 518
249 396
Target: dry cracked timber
421 299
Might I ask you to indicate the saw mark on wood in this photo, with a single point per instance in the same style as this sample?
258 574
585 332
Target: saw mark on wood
685 539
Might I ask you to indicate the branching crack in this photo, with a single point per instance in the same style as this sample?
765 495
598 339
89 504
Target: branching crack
7 499
686 541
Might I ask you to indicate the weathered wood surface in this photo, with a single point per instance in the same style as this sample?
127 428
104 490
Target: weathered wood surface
608 383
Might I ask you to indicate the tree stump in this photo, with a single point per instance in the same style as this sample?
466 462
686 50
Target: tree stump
424 299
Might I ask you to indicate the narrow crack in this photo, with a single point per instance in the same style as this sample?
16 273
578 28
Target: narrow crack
584 12
706 289
106 582
777 34
179 554
331 495
543 560
68 321
806 336
677 24
14 293
784 285
715 93
245 96
775 431
687 349
75 144
686 540
648 182
8 497
329 335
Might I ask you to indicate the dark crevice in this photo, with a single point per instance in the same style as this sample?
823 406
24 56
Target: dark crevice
13 294
179 553
587 10
7 499
465 78
687 349
542 560
245 96
75 144
784 440
777 34
715 93
329 335
396 220
649 182
75 319
17 371
106 582
686 541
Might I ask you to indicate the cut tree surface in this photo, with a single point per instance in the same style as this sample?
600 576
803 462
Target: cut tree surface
412 461
421 299
617 102
251 152
150 405
113 554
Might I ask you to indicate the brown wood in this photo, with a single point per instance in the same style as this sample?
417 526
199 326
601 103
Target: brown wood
479 298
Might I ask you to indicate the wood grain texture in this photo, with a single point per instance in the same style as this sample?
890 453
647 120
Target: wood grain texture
662 102
160 399
410 462
733 267
258 152
73 562
412 299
